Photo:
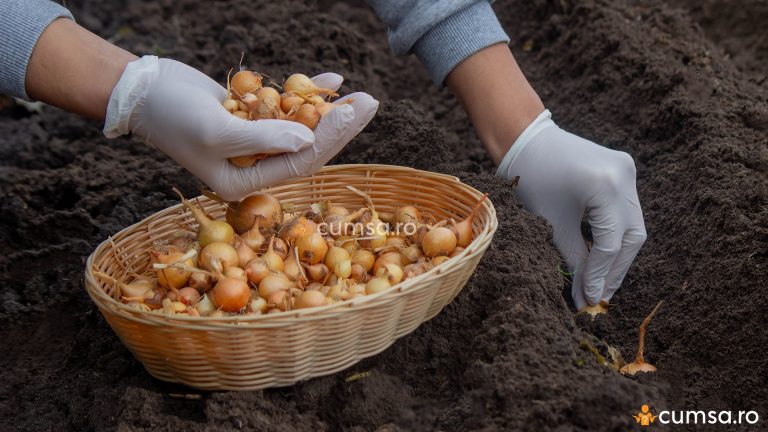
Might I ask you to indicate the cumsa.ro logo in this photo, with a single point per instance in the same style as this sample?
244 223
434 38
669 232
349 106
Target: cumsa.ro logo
646 418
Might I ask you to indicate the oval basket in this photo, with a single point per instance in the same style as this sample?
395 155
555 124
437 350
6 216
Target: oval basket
258 351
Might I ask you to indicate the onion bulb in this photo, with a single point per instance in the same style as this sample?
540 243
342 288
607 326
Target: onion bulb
365 258
274 282
335 256
411 253
387 258
230 105
245 82
436 261
189 296
292 267
307 115
377 285
338 225
244 253
253 237
393 272
260 206
201 281
301 85
290 102
463 229
172 277
438 241
281 248
358 273
274 262
218 256
256 270
407 214
337 211
258 304
317 272
205 306
236 273
210 230
296 228
250 101
230 294
267 104
139 287
309 299
316 99
413 270
241 115
312 247
280 300
324 108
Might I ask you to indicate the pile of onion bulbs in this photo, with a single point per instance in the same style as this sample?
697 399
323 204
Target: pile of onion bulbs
301 101
269 258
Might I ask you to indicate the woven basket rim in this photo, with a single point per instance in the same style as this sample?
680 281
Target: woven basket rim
236 322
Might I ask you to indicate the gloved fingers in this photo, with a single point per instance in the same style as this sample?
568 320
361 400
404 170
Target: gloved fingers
570 243
607 234
273 170
630 246
365 107
238 137
328 80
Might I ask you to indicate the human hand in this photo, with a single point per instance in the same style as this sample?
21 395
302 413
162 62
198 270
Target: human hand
562 176
177 109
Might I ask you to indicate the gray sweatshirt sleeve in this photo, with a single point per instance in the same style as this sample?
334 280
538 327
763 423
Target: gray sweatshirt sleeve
440 33
21 24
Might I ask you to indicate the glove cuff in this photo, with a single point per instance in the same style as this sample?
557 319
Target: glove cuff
542 121
129 90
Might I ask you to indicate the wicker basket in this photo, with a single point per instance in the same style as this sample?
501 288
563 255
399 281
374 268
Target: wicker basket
259 351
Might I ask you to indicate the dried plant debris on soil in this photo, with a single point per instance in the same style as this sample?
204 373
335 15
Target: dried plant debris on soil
677 85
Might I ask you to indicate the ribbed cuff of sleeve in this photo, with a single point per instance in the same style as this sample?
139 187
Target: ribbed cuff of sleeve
458 37
21 24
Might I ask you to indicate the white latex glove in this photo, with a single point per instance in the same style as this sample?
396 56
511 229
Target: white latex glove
561 177
177 109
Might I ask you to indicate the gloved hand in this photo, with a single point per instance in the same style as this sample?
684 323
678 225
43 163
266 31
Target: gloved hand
562 176
177 109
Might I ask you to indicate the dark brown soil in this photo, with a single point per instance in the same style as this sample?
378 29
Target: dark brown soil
679 85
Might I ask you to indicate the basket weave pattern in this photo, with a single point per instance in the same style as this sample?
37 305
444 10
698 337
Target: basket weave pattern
259 351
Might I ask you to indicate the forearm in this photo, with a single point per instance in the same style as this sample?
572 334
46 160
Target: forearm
74 69
499 100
